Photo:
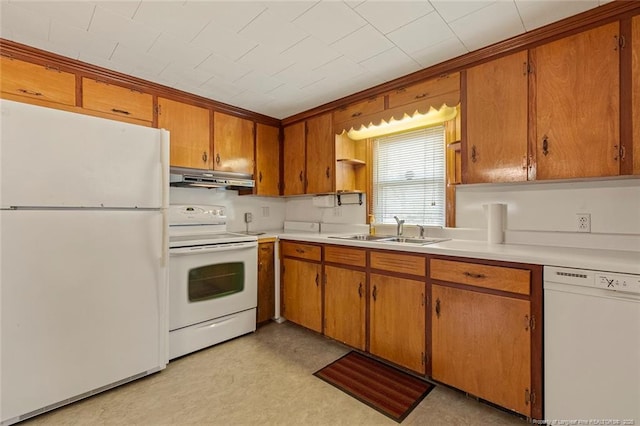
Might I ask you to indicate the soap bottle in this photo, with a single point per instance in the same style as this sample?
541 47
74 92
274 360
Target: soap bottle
372 225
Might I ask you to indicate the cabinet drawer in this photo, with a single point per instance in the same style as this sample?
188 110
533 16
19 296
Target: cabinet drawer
116 100
37 82
494 277
303 251
426 89
359 109
345 256
406 264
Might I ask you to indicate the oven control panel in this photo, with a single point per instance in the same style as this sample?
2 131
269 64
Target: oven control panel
196 215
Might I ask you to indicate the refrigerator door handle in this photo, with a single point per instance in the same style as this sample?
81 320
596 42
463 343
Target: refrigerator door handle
164 163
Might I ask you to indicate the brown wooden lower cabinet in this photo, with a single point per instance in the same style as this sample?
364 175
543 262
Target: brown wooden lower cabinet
397 320
345 305
266 282
302 293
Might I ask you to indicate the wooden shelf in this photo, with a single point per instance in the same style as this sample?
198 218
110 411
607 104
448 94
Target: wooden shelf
351 161
454 145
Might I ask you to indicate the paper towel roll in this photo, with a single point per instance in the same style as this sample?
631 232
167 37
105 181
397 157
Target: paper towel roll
495 223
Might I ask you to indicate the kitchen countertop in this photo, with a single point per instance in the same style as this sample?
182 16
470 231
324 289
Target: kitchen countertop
605 260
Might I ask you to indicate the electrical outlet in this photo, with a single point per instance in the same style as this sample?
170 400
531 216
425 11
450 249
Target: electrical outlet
584 222
248 217
265 211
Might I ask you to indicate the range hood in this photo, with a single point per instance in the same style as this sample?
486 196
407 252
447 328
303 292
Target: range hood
184 176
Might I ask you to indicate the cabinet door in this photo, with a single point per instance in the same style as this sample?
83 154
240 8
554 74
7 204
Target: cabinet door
233 143
345 305
267 160
481 344
37 83
577 105
116 101
320 155
294 159
397 321
302 293
497 105
190 129
266 282
635 72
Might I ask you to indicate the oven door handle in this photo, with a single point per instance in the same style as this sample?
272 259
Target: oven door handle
216 248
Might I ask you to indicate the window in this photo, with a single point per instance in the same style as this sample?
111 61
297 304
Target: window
409 177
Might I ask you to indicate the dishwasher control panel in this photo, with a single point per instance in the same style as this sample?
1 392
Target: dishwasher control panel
619 282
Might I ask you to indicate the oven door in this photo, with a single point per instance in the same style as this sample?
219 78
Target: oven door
211 281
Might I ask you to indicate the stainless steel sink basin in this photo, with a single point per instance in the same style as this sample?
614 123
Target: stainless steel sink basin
390 239
361 237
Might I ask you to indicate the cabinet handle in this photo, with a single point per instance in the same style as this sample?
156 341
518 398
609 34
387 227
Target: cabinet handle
298 250
204 156
328 172
360 290
473 275
120 111
29 92
474 154
545 145
260 177
218 158
317 278
438 307
356 114
623 152
422 95
300 176
375 293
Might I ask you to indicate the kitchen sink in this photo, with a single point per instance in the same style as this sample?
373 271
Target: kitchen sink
390 239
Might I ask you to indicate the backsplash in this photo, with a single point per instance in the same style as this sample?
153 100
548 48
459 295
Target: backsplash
302 209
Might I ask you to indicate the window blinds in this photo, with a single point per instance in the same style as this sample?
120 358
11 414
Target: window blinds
409 177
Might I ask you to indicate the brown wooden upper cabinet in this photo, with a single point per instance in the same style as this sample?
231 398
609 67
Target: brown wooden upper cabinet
425 89
577 105
233 144
37 84
116 101
267 160
496 116
359 109
309 159
189 128
635 97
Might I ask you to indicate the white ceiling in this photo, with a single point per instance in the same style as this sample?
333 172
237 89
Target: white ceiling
277 58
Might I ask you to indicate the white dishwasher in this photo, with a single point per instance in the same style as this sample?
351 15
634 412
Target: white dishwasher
591 346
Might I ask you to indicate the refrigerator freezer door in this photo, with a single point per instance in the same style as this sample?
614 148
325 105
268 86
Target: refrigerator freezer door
83 303
52 158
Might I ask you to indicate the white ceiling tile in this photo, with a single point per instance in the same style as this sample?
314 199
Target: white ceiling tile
223 68
232 15
258 82
311 52
140 62
111 26
330 21
339 69
252 101
168 46
288 10
272 31
223 41
447 49
299 74
185 75
391 64
76 13
24 24
266 60
496 22
452 10
223 90
86 56
78 39
539 13
126 8
363 44
421 33
387 16
173 17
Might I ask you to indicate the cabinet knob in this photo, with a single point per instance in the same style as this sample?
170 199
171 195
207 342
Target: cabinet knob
204 156
300 176
438 307
360 290
474 154
545 145
375 293
218 158
328 172
317 279
260 176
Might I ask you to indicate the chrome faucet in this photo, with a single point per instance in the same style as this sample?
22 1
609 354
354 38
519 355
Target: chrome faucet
421 228
400 223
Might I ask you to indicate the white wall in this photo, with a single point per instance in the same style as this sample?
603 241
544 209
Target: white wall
268 212
302 209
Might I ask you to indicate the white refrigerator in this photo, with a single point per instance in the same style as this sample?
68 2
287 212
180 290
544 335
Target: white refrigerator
83 256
